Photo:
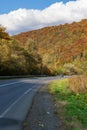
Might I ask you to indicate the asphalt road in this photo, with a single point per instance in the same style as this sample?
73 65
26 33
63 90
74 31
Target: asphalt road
15 100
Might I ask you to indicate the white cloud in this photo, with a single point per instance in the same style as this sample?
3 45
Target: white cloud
58 13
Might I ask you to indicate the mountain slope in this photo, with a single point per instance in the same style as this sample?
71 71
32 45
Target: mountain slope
63 48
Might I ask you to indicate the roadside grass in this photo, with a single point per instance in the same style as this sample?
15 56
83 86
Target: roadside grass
71 104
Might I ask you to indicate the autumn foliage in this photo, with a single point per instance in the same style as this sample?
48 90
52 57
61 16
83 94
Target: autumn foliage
52 50
63 48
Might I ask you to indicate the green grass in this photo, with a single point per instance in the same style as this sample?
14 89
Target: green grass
76 107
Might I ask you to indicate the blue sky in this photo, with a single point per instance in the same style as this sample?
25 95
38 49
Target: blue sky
25 15
8 5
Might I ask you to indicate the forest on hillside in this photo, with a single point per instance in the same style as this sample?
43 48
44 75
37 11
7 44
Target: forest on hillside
51 50
16 59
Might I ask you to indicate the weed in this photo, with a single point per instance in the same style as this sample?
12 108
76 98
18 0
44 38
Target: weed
76 100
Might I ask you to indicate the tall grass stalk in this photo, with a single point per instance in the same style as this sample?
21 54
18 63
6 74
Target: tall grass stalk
78 84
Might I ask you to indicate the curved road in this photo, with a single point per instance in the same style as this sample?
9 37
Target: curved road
15 99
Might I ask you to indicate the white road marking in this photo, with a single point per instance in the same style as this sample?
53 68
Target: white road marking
3 85
27 91
8 109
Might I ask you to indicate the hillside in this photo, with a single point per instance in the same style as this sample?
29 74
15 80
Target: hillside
52 50
63 48
16 59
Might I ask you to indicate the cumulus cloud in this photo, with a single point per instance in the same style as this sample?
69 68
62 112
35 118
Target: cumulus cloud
58 13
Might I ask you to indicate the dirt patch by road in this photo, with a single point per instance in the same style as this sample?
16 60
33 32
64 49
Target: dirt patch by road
42 115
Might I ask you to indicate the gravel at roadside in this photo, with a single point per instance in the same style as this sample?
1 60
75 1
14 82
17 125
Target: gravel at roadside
42 115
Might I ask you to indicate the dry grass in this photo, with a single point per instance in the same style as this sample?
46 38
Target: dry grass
71 104
78 84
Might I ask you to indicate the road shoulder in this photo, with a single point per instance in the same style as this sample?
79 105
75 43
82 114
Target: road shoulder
41 115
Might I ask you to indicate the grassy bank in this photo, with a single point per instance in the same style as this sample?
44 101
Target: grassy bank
71 101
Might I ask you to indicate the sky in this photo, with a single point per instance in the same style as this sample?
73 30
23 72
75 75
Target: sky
25 15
